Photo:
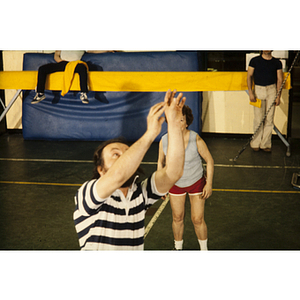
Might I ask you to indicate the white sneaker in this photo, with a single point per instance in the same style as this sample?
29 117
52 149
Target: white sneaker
84 98
38 98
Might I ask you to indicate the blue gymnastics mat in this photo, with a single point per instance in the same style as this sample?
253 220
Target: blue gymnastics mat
109 114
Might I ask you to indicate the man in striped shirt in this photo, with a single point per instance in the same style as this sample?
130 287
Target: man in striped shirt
110 209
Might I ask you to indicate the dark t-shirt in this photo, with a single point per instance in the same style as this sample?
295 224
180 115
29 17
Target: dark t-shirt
265 71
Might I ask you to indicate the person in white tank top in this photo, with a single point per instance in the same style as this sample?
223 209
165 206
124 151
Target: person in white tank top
192 182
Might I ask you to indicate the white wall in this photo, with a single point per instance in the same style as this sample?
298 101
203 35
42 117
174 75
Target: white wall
230 112
12 61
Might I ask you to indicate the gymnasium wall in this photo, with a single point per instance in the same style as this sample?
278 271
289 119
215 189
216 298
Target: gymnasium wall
222 111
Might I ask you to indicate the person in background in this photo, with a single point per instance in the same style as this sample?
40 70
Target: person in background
62 58
110 209
193 182
266 72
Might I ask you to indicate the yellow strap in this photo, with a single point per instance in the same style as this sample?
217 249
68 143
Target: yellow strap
69 75
135 81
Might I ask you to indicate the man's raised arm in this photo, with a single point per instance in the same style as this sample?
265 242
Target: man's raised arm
127 163
166 177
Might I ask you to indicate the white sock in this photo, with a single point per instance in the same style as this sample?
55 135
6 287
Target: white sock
178 244
203 245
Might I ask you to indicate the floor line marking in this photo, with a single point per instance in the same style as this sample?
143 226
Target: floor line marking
143 163
214 190
255 191
40 183
156 215
45 160
256 167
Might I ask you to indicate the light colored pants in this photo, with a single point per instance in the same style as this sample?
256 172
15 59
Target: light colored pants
263 137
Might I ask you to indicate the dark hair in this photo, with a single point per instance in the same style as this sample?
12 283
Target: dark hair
186 111
98 158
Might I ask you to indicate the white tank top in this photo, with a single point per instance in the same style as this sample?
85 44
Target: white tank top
71 55
193 168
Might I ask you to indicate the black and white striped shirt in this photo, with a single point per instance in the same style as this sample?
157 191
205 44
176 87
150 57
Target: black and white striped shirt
115 223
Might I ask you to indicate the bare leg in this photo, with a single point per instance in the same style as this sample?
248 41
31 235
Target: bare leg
197 215
177 205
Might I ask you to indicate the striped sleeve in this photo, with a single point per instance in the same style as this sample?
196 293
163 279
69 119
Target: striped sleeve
151 195
87 200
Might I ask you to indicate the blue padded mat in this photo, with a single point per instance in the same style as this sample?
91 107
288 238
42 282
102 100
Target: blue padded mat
109 114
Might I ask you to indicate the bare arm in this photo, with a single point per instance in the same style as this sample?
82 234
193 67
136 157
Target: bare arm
57 56
167 176
125 166
161 157
249 83
205 154
278 85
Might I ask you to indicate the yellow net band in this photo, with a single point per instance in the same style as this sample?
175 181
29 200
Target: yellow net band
135 81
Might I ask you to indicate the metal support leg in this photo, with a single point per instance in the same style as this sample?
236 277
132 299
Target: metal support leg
2 103
12 101
288 152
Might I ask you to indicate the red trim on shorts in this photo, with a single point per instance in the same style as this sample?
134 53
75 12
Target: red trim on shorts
196 188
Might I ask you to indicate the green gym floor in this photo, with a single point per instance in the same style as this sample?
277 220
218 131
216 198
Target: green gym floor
253 207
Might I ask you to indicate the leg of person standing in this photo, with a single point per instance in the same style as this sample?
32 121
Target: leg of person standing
266 141
178 210
259 112
197 216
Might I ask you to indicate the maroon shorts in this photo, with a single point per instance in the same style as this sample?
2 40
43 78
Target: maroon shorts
194 189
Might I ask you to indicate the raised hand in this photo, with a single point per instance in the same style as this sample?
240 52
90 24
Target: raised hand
174 105
155 119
